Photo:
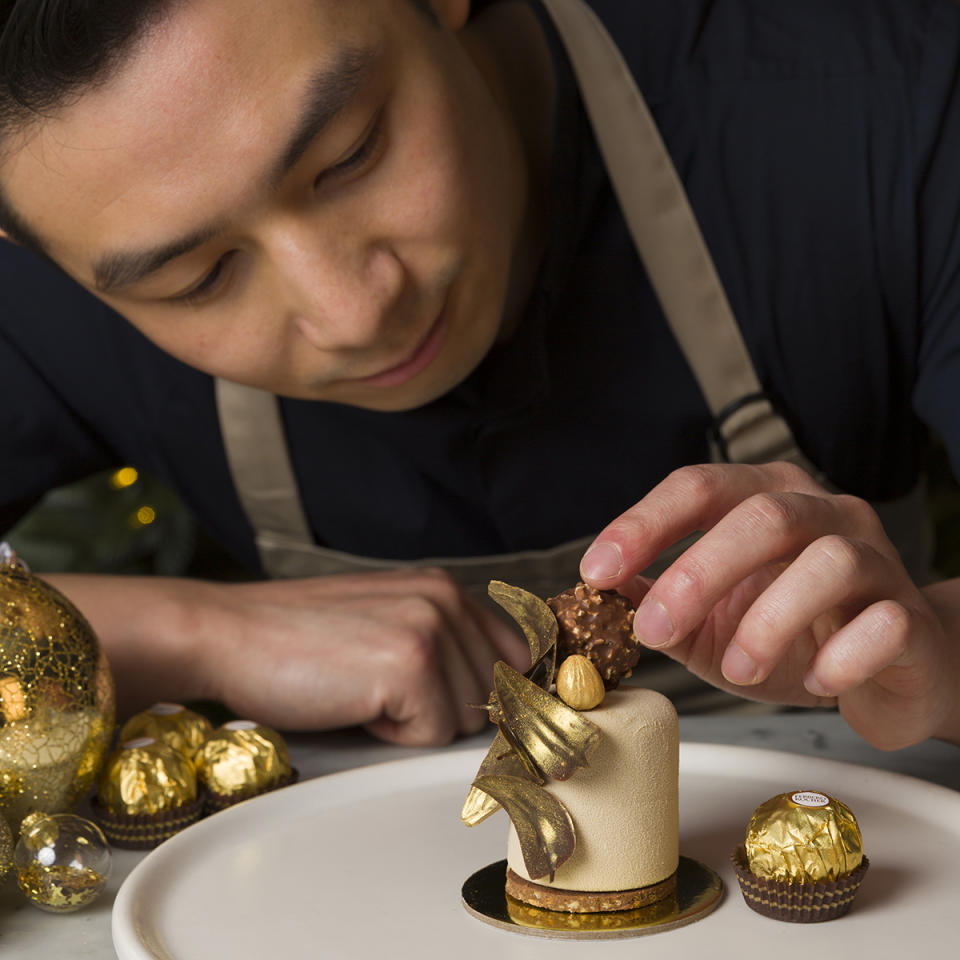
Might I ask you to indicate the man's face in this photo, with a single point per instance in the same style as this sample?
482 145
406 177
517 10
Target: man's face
320 198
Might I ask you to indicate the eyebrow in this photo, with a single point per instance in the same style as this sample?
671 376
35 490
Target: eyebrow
327 94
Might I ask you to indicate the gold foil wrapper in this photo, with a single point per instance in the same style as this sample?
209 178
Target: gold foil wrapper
174 724
243 757
146 777
804 836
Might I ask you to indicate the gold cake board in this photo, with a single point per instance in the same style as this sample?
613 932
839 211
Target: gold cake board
698 893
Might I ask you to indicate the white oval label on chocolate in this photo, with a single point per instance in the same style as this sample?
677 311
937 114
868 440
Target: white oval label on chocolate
806 798
165 709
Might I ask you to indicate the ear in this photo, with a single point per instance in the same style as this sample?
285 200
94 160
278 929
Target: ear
453 14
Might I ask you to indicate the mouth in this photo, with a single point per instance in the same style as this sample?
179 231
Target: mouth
422 356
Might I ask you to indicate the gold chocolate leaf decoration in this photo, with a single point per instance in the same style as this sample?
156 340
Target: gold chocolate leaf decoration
547 734
538 736
543 824
501 760
538 623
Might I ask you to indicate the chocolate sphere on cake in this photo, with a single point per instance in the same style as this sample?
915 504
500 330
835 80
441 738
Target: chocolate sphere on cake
597 624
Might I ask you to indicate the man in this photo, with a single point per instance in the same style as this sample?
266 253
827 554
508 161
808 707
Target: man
367 209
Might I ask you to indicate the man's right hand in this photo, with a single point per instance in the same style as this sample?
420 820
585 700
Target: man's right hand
401 653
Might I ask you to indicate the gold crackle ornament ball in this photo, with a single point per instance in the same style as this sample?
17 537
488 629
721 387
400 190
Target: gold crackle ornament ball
56 697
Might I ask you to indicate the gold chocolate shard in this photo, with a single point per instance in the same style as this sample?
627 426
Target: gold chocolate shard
501 760
543 824
555 738
536 620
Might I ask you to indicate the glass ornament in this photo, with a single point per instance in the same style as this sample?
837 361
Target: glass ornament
62 861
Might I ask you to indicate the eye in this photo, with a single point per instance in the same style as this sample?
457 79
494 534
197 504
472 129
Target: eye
368 146
208 286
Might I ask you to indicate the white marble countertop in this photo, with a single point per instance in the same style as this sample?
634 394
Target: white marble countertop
27 933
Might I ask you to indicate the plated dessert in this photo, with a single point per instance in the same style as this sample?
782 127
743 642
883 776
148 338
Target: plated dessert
587 772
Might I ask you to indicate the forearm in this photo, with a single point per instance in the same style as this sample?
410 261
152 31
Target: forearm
944 597
149 628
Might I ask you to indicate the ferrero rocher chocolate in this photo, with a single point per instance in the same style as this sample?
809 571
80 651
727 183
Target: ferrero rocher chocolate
56 696
802 860
597 624
174 724
805 836
243 758
146 777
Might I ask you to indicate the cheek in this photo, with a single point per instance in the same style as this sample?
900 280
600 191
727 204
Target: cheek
222 345
451 177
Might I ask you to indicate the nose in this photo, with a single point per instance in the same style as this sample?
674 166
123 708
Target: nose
338 289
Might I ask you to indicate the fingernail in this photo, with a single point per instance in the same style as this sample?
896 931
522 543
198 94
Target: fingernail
601 562
738 666
652 624
815 687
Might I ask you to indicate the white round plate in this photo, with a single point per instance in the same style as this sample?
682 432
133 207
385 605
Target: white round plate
370 863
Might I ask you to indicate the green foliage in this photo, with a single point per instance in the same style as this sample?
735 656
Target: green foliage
100 526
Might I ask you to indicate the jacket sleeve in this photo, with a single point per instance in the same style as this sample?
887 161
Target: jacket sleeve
936 165
44 441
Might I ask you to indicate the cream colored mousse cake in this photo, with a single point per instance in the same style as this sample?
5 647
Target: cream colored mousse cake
623 804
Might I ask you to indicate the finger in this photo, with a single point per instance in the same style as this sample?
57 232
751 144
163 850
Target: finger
473 638
464 657
416 708
430 603
483 636
832 573
766 528
690 499
505 639
877 638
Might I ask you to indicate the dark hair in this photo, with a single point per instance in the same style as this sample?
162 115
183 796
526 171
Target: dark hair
49 50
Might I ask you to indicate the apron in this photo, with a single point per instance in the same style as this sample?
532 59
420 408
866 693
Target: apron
745 429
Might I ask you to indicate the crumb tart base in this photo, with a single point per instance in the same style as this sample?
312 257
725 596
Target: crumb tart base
586 901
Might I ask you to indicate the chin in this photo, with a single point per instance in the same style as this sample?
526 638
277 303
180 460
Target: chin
443 375
398 399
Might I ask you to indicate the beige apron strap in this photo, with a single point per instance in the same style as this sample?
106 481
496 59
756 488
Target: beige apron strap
256 448
255 444
668 239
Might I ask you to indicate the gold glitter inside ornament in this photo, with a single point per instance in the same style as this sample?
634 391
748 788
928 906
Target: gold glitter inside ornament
6 849
56 697
63 861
